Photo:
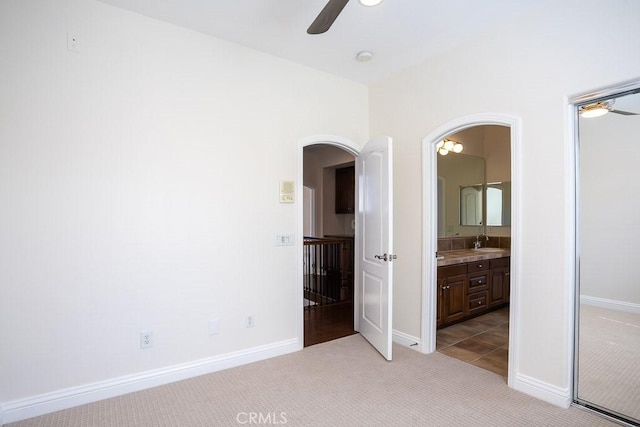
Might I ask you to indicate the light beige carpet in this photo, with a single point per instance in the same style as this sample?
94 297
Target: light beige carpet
609 359
341 383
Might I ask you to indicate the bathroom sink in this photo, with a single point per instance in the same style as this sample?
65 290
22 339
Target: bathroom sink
489 250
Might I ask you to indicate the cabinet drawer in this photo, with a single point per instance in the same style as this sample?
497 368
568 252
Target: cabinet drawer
477 302
478 265
452 270
499 262
477 282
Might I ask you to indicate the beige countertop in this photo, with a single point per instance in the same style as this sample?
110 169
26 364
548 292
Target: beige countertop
470 255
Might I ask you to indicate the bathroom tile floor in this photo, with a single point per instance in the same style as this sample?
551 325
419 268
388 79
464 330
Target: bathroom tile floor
482 341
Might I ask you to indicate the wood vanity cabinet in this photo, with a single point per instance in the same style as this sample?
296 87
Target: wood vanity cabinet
452 285
477 294
345 190
500 283
469 289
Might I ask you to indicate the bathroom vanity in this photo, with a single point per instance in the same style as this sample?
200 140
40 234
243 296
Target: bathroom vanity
471 282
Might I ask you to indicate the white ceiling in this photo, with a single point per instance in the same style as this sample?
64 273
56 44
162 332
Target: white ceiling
399 33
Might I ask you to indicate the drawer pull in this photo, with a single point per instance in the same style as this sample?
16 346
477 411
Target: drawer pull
479 302
479 265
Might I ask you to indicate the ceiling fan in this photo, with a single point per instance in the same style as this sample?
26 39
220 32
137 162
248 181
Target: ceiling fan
601 108
330 12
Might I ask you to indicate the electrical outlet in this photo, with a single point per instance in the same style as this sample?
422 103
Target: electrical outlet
73 42
251 321
146 339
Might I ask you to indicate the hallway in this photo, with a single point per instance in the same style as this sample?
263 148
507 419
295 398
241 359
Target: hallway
326 323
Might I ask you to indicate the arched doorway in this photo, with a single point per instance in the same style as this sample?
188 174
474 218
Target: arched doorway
346 146
430 226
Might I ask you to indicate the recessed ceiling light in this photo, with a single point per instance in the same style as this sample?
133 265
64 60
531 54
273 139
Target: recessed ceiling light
370 2
364 56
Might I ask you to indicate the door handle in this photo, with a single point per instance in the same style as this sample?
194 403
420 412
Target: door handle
386 257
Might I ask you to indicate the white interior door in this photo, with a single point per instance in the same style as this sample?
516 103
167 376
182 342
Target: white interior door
374 250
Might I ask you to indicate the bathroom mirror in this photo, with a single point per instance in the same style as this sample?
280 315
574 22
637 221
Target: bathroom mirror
498 204
455 173
474 188
492 201
471 205
607 367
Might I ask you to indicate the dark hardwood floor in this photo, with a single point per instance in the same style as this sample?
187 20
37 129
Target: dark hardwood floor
326 323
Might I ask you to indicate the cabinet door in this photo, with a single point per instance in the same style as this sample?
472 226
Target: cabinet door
345 190
497 287
453 298
499 281
440 303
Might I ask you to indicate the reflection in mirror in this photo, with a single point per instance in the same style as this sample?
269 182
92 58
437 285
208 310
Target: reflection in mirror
471 204
608 315
456 171
498 204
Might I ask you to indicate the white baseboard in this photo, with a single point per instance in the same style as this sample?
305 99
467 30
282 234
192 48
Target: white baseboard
610 304
406 340
543 391
67 398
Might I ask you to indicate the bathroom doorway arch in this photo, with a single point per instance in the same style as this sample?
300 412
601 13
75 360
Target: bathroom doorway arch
430 227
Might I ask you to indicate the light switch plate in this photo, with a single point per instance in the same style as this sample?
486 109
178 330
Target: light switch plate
284 240
287 191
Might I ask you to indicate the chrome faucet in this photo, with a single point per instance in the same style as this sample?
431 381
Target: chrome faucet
477 244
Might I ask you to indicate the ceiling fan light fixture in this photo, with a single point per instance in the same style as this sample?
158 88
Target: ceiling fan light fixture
594 110
370 3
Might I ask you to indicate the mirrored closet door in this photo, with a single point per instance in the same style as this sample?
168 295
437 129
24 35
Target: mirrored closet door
607 374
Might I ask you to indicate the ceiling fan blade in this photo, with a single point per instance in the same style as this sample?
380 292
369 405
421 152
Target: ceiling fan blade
624 113
326 17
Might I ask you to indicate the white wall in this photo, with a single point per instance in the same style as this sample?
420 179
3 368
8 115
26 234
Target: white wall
139 187
525 69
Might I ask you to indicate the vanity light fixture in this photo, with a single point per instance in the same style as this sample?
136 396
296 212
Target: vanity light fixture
443 147
370 3
596 109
